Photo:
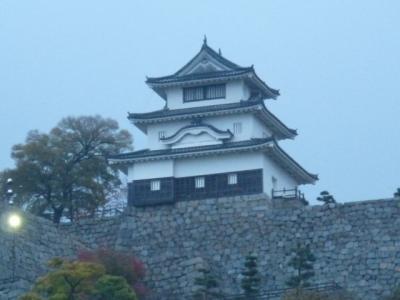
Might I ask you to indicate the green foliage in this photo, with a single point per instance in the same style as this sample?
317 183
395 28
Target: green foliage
206 285
114 288
79 280
302 262
65 172
118 263
31 296
251 278
326 198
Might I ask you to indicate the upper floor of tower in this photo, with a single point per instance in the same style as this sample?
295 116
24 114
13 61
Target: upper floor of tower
210 79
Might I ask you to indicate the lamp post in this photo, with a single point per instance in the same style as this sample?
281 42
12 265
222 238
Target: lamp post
14 222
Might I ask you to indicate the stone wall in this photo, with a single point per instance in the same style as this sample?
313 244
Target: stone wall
35 242
357 245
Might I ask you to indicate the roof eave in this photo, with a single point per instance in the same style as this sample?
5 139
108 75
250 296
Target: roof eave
267 92
298 172
199 152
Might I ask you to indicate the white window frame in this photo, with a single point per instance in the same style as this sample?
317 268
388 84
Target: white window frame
232 179
237 128
155 185
199 182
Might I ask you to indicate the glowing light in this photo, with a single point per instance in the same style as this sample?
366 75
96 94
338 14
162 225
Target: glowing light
14 220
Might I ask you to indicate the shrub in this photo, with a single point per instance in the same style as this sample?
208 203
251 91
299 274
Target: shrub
302 262
75 280
251 279
118 263
206 285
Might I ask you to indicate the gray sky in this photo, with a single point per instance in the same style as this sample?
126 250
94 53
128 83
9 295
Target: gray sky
336 64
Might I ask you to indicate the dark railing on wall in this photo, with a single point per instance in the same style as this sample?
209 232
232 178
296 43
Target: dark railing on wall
276 294
289 194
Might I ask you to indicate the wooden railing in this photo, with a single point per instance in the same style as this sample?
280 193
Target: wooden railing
290 194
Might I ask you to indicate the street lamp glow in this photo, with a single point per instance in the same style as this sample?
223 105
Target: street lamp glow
14 220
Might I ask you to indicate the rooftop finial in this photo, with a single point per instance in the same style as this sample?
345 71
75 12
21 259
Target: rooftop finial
219 52
205 40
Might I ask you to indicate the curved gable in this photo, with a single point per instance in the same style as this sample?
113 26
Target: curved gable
197 134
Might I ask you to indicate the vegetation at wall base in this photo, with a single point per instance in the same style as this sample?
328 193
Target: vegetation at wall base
206 285
75 280
302 262
250 282
96 275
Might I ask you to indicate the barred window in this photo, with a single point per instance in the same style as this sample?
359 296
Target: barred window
199 182
161 134
237 128
207 92
155 185
232 179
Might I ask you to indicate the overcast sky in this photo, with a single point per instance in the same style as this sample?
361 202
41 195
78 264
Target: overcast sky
336 64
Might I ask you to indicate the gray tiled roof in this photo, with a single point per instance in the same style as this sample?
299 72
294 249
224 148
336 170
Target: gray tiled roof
171 151
234 71
191 110
277 153
166 113
195 76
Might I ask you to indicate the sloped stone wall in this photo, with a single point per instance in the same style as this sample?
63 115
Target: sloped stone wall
36 242
357 245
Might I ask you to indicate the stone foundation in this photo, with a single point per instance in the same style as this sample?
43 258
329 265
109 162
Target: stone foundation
357 245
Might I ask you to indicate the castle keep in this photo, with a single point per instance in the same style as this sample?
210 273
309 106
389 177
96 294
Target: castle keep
214 157
215 137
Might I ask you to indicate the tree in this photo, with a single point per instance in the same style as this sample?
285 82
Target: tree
65 172
117 263
251 278
302 262
79 280
113 288
326 198
206 284
397 193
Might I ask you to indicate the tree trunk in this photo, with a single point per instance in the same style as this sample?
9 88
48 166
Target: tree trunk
57 214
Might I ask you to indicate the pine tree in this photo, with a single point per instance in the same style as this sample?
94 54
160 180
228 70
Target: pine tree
251 278
206 284
326 198
302 262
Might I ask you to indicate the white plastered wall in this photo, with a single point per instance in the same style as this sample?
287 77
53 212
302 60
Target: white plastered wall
251 128
151 169
218 164
271 169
